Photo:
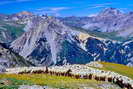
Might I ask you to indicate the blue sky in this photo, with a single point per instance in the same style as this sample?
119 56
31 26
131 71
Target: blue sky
63 7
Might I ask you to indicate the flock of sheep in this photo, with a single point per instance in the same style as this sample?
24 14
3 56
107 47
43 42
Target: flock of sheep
77 71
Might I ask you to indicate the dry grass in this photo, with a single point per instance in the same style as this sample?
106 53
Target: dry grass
53 81
121 69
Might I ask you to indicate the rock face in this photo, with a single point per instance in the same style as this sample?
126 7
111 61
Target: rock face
42 41
109 51
10 59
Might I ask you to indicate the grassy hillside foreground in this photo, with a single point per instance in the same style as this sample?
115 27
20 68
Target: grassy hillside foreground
46 80
12 81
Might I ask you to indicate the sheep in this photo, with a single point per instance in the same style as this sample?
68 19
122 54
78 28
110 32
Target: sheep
46 71
97 78
90 76
77 76
102 78
25 72
38 72
78 71
110 79
68 73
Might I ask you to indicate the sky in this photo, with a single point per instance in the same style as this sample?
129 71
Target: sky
64 7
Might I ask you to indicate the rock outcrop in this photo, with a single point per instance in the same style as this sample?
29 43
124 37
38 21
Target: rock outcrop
9 58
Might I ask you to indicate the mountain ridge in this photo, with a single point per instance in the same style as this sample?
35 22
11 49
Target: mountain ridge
48 41
108 20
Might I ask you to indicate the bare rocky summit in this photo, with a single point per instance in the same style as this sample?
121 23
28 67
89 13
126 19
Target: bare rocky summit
42 41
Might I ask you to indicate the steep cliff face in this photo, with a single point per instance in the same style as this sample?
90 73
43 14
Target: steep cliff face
109 51
11 59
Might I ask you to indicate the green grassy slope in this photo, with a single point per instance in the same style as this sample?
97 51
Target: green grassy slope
121 69
48 80
10 30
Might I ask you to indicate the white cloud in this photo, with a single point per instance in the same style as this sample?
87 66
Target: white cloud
124 9
55 11
52 8
13 1
59 8
101 5
92 15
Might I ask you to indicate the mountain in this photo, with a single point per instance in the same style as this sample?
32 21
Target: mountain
24 13
48 41
74 21
110 23
9 58
110 51
109 20
12 26
112 20
10 30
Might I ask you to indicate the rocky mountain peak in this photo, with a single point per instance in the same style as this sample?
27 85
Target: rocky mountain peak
111 20
42 40
25 13
110 12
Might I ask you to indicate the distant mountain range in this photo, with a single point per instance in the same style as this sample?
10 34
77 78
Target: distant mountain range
46 40
12 26
108 20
